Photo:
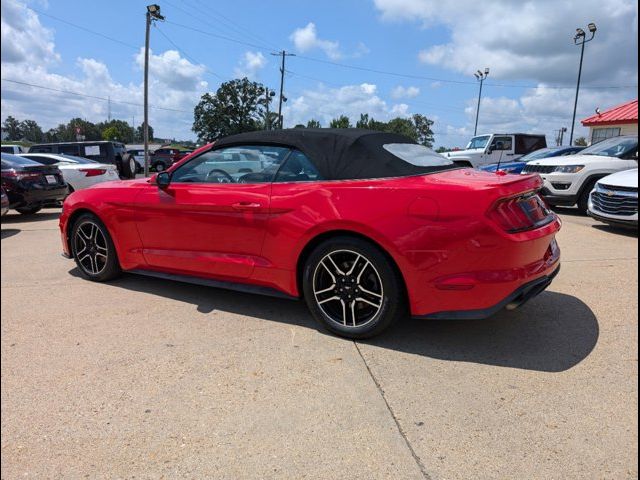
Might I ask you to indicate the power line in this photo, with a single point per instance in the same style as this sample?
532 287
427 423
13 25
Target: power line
222 37
93 32
106 99
186 55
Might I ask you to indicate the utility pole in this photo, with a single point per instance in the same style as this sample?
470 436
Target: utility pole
282 97
580 38
153 13
562 130
481 77
109 109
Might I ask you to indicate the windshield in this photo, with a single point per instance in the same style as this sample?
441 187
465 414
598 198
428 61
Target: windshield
478 142
417 155
613 147
542 153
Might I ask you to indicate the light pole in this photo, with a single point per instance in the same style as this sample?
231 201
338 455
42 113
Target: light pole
480 76
153 13
267 99
580 38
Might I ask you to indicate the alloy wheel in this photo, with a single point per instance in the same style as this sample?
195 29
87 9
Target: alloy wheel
348 288
91 248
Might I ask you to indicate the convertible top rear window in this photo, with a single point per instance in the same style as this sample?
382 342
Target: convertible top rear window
418 155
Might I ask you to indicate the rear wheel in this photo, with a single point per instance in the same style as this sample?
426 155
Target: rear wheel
28 210
352 288
93 250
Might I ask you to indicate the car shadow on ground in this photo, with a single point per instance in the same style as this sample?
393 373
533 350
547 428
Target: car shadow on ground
9 232
36 217
627 232
551 333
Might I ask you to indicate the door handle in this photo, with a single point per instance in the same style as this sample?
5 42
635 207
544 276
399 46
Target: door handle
246 206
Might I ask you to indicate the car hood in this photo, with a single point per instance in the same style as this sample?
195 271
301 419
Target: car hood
464 153
626 178
571 160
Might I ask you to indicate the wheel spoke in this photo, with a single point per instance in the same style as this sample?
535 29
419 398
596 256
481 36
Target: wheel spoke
344 312
328 271
338 270
366 264
324 290
368 292
353 312
328 300
355 262
361 299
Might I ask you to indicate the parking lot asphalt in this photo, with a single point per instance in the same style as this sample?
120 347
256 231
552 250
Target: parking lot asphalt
145 378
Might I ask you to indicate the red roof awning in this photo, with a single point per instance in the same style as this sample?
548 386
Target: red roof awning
625 113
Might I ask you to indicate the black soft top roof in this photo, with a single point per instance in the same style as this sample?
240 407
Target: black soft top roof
338 153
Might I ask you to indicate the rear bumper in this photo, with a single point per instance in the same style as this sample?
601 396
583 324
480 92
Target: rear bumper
516 299
37 198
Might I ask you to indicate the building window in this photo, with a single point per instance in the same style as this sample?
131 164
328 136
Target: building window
600 134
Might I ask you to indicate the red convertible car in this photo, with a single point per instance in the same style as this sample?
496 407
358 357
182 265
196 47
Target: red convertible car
366 226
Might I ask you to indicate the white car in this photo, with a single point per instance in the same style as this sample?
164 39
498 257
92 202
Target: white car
569 180
615 199
78 172
13 149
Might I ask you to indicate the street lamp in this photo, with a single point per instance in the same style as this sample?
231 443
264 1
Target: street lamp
580 38
153 13
480 76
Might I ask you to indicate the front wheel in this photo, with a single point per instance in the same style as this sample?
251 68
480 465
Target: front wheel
93 250
583 201
352 288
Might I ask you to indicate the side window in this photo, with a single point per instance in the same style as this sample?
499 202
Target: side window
507 143
241 164
41 149
68 149
298 168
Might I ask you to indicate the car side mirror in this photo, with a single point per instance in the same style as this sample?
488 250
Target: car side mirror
163 179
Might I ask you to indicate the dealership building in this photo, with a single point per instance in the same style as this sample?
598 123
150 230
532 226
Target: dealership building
620 120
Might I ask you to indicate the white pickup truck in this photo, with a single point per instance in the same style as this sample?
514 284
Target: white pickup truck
497 147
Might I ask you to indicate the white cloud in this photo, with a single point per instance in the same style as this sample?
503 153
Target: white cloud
324 104
174 83
23 38
405 92
527 40
306 39
250 64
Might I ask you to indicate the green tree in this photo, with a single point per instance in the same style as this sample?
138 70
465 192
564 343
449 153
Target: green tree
300 125
117 130
313 123
423 129
12 127
442 149
89 130
110 133
580 142
341 122
31 131
236 107
139 137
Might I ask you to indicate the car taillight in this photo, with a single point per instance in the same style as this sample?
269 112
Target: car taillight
18 176
520 213
93 172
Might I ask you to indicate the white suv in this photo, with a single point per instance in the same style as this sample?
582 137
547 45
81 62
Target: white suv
569 180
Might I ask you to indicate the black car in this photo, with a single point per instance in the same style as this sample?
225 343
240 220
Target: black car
100 151
31 185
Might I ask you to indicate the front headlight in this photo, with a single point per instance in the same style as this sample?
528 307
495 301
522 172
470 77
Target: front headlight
569 169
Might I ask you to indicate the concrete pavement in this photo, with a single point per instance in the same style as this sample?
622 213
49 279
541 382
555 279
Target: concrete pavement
144 378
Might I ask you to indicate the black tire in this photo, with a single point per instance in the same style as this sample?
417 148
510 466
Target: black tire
380 277
128 166
28 210
105 257
583 200
159 167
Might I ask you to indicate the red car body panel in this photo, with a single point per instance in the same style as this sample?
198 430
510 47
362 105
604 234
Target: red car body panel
452 255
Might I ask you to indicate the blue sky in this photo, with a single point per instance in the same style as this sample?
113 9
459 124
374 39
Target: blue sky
432 48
